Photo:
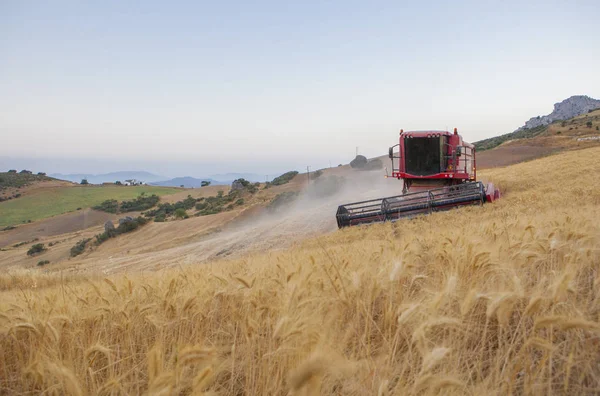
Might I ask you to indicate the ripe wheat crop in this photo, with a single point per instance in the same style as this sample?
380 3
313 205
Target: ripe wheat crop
499 299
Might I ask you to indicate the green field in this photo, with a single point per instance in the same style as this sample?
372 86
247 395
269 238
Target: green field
61 200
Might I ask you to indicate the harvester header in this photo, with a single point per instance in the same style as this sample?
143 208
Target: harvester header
438 172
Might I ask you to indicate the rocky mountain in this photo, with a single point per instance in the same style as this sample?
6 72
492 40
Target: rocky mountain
568 108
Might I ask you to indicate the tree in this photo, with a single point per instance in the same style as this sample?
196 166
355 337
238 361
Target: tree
588 124
118 183
41 173
12 171
204 183
84 181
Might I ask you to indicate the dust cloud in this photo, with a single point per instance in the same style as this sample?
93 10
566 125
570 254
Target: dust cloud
311 213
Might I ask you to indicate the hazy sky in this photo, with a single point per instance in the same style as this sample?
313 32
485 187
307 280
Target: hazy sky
264 86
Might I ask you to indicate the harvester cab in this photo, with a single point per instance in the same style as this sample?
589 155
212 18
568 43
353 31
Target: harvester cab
438 172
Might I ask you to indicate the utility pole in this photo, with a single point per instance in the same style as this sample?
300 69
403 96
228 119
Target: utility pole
330 164
308 173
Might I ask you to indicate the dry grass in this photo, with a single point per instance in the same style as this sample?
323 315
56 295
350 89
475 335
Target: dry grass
495 300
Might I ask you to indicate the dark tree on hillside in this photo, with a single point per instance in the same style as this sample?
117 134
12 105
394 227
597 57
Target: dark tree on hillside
84 181
12 171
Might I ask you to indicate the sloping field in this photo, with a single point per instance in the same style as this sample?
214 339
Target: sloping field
48 202
499 299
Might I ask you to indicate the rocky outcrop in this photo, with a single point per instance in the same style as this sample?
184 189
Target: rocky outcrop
109 226
568 108
359 162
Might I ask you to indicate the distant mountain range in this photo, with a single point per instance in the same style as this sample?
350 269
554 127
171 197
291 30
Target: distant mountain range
156 180
229 177
143 176
187 182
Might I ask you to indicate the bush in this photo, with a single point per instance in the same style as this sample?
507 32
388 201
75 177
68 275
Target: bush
180 213
12 171
79 247
123 228
43 262
25 171
110 206
118 183
283 179
282 200
588 124
41 173
8 228
139 204
84 182
205 183
36 249
316 174
220 202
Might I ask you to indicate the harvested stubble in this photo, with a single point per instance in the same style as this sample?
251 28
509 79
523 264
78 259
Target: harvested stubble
494 300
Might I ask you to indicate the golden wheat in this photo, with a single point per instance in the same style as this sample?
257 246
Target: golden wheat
498 299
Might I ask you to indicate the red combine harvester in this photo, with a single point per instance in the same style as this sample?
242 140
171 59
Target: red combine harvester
437 169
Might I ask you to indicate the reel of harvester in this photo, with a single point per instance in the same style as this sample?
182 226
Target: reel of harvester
439 166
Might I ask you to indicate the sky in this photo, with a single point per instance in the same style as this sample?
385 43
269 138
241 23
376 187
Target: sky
202 87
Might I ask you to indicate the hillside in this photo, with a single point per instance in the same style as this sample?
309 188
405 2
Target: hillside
567 110
54 200
497 299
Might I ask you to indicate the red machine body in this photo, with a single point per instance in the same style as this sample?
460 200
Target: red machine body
438 170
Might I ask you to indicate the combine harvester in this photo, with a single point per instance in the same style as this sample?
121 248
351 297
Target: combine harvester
437 169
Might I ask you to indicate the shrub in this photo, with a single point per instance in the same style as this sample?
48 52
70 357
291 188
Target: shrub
42 263
283 179
25 171
180 213
282 200
8 228
316 174
79 247
12 171
110 206
205 183
123 228
36 249
118 183
41 173
84 182
588 124
139 204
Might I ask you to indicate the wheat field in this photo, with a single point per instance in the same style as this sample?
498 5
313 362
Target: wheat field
499 299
